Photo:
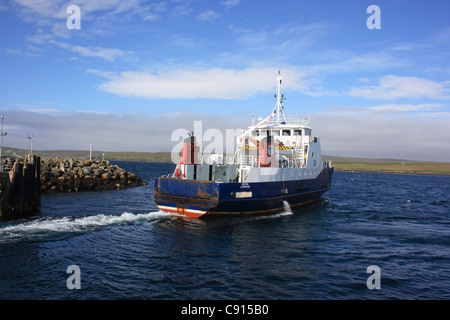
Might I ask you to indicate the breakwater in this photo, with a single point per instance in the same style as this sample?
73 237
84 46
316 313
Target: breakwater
71 175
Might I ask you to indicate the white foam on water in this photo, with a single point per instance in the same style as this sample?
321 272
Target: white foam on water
286 212
48 226
287 208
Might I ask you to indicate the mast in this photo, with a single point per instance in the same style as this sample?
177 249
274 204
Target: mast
280 98
278 108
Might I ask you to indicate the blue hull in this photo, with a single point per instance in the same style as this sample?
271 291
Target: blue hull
196 198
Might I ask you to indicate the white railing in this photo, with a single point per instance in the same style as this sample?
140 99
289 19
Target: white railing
253 161
289 121
248 160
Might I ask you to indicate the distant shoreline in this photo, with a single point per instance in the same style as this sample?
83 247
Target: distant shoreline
416 168
345 167
341 164
396 172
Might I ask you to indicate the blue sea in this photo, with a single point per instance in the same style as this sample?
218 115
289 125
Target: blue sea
125 248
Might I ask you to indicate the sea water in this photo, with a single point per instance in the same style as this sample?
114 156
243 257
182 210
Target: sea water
125 248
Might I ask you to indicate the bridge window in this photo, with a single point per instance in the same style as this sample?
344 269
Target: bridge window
297 132
286 132
275 132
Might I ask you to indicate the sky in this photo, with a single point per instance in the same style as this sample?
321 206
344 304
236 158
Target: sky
129 75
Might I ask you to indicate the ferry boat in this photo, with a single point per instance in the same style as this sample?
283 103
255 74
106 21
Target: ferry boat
277 162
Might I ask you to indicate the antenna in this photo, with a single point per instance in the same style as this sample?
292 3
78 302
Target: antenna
31 141
279 97
2 134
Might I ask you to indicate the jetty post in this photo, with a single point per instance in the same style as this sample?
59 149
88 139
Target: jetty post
20 193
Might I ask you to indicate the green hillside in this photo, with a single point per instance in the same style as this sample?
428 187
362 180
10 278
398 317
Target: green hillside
348 164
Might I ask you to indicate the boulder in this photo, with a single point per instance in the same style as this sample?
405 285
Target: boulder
87 169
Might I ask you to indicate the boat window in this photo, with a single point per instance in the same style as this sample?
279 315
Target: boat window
286 132
263 133
297 132
275 132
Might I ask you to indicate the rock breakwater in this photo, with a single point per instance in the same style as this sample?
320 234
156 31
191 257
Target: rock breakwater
69 175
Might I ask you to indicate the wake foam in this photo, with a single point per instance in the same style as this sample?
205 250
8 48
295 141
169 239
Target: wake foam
287 208
286 212
51 226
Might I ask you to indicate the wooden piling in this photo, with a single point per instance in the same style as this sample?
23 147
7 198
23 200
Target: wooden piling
20 194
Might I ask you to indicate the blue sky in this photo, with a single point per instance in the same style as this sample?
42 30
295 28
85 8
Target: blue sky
138 70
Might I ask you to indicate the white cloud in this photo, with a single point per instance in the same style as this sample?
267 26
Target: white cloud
405 107
436 115
238 29
363 80
392 111
42 110
393 87
154 11
20 52
215 83
182 9
40 8
441 36
287 40
109 54
208 16
341 133
104 53
56 9
372 135
104 74
51 15
230 3
344 61
56 129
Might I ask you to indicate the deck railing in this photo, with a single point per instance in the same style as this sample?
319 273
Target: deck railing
254 161
289 121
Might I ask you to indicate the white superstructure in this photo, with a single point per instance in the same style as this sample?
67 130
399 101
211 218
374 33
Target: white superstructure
276 148
297 153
